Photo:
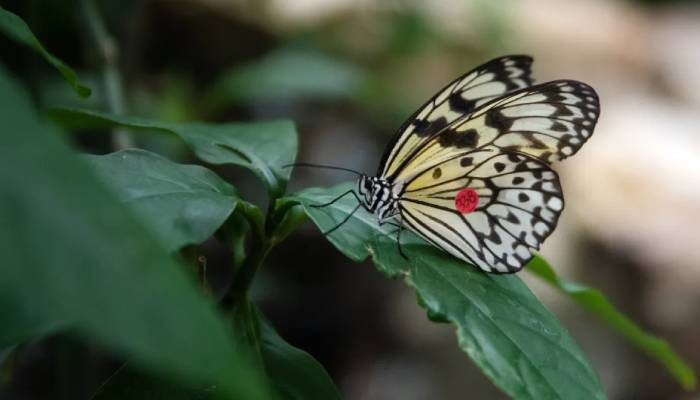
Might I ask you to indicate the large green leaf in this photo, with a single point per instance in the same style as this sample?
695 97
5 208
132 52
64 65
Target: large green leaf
294 374
184 204
262 147
132 384
15 28
73 254
595 302
500 324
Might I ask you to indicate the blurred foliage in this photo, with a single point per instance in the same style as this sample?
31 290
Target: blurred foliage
287 75
294 374
595 302
15 28
76 257
95 239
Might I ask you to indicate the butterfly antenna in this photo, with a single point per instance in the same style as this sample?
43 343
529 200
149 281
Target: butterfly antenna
309 165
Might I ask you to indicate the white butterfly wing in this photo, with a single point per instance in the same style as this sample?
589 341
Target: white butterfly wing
501 151
550 122
458 99
491 135
520 201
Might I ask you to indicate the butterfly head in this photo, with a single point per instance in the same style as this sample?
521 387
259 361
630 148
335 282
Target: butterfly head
377 196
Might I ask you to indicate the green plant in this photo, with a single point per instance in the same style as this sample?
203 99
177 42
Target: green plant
91 245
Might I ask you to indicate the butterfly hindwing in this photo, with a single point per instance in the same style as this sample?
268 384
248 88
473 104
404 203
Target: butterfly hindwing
519 203
458 99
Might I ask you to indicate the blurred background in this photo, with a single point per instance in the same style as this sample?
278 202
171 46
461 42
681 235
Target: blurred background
348 72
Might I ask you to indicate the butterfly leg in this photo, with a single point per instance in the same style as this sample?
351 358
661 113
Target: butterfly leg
398 243
328 232
336 199
399 228
332 202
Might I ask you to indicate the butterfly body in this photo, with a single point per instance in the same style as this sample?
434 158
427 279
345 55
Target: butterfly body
469 170
378 196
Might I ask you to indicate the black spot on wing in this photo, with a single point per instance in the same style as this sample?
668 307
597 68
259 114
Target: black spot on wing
424 128
559 127
459 104
453 138
495 119
513 219
521 166
562 111
419 126
512 157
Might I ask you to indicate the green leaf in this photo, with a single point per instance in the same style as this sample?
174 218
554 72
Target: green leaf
132 384
15 28
262 147
184 204
75 255
18 323
354 237
293 372
500 324
595 302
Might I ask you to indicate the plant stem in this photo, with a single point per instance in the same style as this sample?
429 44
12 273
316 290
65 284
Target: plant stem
261 243
246 326
243 278
111 77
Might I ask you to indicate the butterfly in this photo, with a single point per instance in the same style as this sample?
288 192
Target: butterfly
469 171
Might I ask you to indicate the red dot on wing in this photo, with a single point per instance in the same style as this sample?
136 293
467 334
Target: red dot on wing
466 200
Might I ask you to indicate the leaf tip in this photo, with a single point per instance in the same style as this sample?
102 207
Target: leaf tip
83 91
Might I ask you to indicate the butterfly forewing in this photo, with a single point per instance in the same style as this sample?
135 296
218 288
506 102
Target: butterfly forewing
457 100
550 122
519 202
